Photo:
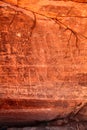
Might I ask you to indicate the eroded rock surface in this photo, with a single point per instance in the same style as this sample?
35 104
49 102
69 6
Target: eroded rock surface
43 61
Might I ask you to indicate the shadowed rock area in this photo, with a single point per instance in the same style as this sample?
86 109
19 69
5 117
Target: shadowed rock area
43 59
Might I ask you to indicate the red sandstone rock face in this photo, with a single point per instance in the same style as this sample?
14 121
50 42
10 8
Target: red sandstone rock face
43 59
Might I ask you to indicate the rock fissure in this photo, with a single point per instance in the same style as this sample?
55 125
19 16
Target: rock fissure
48 17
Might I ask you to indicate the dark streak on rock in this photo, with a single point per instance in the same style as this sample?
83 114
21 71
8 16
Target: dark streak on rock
82 79
30 103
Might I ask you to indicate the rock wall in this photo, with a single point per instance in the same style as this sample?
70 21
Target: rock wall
43 59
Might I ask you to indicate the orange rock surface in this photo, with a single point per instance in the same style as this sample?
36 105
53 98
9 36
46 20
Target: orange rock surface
43 61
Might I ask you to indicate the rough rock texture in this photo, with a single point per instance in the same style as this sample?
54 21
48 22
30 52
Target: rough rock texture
81 126
43 62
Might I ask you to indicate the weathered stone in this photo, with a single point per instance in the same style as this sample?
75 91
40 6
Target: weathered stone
43 59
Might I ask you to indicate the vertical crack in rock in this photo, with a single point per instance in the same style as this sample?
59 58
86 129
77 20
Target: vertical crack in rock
34 24
11 22
69 44
2 42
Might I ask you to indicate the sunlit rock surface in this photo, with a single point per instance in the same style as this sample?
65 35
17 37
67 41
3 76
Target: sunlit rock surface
43 61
